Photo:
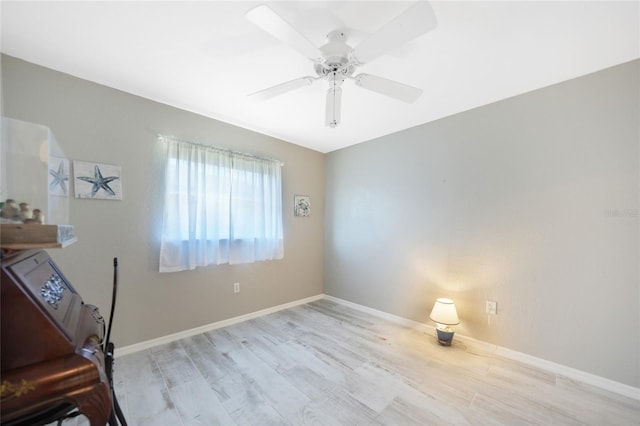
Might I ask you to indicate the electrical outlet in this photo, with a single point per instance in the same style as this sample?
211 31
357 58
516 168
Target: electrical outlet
236 287
492 307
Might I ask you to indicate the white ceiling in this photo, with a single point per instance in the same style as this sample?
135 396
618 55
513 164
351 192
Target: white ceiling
206 57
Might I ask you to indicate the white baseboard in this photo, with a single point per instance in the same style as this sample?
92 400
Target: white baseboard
125 350
558 369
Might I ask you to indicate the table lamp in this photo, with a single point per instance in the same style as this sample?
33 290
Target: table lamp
444 315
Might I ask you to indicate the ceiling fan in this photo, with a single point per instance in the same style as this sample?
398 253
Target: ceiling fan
336 61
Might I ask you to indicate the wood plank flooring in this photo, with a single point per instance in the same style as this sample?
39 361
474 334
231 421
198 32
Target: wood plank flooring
326 364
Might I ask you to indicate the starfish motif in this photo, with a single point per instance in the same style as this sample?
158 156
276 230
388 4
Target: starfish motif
99 182
59 178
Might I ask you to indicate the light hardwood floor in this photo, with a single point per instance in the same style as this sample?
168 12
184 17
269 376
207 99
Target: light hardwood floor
326 364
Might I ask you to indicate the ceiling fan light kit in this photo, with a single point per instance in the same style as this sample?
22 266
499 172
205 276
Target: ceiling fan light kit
336 61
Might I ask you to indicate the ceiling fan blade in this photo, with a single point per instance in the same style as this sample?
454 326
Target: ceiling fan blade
334 106
264 17
413 22
271 92
387 87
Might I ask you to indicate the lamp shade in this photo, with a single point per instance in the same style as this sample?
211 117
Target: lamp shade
444 312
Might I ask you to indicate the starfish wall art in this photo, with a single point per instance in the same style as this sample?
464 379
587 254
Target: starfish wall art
59 176
97 181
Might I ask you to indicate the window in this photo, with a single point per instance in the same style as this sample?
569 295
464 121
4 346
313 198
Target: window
219 207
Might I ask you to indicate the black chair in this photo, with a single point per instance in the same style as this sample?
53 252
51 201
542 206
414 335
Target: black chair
108 348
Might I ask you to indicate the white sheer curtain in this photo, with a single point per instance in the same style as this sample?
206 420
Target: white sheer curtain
219 207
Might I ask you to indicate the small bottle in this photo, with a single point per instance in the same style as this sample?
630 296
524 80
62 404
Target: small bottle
38 216
10 210
25 212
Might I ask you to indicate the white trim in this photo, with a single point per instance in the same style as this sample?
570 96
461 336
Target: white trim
125 350
558 369
381 314
572 373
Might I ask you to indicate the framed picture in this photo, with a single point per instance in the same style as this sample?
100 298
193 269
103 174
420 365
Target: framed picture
302 205
97 181
59 176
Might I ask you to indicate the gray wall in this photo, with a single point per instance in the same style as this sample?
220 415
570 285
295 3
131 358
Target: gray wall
96 123
531 202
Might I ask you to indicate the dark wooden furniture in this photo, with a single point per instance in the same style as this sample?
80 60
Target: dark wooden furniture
51 355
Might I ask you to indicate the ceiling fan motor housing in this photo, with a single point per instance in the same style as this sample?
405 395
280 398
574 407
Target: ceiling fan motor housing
336 64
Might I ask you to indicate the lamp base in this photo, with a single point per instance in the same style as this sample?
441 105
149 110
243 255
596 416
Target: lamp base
445 337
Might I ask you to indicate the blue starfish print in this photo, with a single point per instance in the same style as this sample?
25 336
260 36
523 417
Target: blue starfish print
99 182
59 178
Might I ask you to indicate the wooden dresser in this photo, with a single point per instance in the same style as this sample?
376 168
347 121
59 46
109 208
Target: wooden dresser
51 354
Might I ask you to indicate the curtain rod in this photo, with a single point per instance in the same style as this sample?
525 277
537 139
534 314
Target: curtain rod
166 138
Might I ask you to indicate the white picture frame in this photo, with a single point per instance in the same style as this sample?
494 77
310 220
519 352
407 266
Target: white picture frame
97 181
59 174
302 205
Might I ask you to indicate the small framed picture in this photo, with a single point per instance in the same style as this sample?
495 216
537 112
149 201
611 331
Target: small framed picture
59 176
97 181
302 205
